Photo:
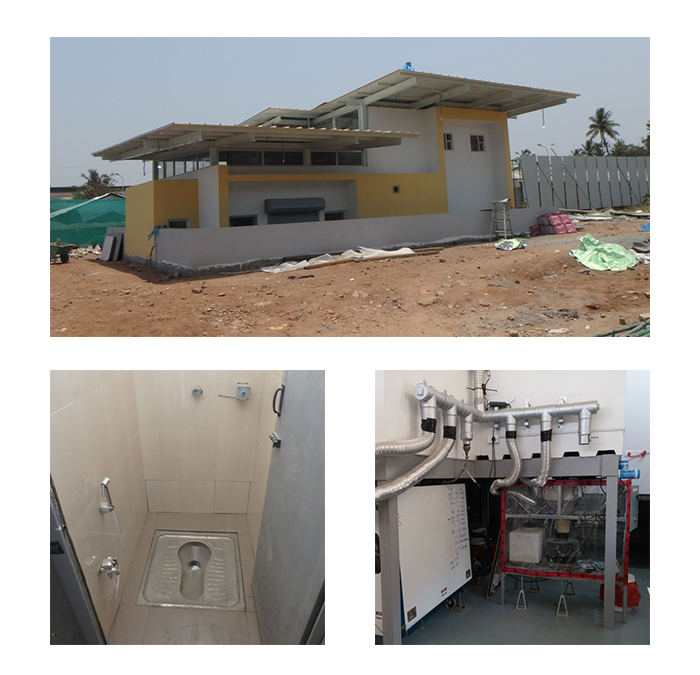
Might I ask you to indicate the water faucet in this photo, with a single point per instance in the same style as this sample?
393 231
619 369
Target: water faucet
106 507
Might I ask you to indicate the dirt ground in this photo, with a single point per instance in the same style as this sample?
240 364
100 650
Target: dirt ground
467 290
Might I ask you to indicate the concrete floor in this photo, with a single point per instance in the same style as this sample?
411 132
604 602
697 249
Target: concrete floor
487 622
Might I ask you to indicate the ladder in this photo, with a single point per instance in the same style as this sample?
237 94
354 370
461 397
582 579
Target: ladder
500 220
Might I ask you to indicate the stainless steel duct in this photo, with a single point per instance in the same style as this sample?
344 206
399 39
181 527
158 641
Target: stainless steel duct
414 445
477 413
395 487
515 457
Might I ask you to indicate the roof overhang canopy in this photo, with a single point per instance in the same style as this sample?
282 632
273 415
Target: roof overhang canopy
415 90
175 140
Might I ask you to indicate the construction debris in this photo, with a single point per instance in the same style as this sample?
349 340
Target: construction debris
639 329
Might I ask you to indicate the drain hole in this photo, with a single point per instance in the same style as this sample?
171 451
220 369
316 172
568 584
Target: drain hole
194 565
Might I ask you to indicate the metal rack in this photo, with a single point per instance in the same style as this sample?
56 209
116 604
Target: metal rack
601 467
566 534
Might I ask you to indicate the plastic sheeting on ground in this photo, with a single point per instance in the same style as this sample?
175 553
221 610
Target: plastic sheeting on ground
326 258
597 255
510 244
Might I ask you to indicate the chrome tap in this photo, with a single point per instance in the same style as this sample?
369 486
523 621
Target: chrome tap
110 566
106 507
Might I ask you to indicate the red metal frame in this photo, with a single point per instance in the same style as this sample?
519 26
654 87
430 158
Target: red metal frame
565 575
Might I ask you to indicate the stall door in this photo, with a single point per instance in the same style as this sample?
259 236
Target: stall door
288 579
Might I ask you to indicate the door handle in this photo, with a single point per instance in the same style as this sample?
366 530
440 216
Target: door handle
275 409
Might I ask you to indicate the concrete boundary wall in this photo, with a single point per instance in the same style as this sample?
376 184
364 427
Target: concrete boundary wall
239 248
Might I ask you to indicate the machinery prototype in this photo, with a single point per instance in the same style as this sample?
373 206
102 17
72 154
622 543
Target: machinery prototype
549 526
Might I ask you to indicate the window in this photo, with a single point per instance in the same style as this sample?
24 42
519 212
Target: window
477 143
241 157
323 159
282 158
242 221
334 215
350 158
343 158
179 223
448 141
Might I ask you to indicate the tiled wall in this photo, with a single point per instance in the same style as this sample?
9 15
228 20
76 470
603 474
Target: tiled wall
198 453
95 434
263 449
164 451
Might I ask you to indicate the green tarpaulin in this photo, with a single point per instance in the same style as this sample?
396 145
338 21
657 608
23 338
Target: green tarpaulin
597 255
85 222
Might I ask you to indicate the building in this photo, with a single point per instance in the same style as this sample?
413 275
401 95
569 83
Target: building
408 144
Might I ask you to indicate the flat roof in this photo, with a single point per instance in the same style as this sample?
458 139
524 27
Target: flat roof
270 129
416 90
170 140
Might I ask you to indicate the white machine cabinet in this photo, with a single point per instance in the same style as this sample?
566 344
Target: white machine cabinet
434 551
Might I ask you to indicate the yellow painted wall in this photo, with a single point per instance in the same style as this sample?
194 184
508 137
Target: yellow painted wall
152 204
419 193
139 219
176 199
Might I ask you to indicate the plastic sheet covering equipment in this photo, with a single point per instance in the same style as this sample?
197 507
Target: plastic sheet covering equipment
559 530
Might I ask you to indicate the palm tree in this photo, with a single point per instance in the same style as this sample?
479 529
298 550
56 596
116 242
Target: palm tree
95 185
589 148
602 125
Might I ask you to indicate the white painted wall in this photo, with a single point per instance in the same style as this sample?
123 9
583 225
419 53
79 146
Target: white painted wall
398 417
197 249
249 198
637 425
414 155
475 179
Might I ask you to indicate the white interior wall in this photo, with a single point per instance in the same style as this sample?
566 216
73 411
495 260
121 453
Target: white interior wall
95 434
637 425
398 417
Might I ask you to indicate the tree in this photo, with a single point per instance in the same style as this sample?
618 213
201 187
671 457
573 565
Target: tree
95 185
589 148
645 141
622 149
603 126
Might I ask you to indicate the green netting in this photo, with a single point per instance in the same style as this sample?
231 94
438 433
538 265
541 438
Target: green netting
93 211
81 234
85 222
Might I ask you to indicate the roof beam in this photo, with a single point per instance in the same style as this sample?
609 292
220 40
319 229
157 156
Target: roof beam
540 103
494 99
407 83
442 96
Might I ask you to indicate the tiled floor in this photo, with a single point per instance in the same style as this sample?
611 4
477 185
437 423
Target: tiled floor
141 625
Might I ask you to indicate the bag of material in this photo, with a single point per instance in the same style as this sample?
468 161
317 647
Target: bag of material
510 244
596 255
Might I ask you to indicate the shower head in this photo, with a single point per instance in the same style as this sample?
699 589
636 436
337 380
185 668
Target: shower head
104 485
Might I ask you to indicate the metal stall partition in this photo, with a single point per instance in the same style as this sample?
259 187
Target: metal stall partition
73 616
289 573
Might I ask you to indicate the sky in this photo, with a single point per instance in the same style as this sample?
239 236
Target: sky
141 83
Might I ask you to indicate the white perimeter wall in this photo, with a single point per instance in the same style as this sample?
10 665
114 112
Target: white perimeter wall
397 412
196 249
